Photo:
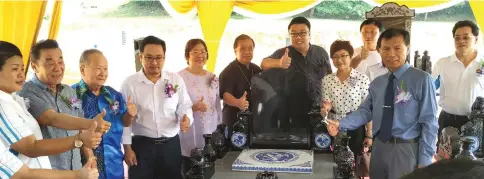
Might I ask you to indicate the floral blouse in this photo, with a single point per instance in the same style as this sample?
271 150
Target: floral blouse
346 96
206 86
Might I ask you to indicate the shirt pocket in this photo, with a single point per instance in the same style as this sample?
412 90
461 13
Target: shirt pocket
170 104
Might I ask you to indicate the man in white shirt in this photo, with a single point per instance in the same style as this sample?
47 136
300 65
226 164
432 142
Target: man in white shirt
460 80
367 55
151 143
12 168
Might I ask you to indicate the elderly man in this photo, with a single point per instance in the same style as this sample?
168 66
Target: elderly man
164 108
55 105
403 108
96 97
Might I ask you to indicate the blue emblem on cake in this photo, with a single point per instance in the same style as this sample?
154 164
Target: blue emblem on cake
238 139
275 156
322 140
475 142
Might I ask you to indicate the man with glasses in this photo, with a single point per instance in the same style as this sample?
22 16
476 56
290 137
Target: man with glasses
151 143
309 59
460 77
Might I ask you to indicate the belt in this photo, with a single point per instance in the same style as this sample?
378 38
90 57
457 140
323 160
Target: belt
453 116
396 140
159 140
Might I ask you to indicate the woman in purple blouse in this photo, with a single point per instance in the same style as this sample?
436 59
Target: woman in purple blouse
203 88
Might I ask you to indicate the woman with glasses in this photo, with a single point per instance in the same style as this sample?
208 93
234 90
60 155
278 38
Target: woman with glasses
203 89
344 91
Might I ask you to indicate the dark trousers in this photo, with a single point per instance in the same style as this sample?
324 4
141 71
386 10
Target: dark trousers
157 159
186 164
447 119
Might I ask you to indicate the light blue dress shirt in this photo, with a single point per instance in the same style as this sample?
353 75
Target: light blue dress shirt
415 118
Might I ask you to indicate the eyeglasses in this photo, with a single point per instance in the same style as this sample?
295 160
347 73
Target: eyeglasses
466 38
300 34
199 53
151 58
340 57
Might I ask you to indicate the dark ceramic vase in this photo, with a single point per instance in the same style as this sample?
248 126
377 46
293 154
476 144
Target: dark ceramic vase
208 150
197 162
345 158
466 152
266 175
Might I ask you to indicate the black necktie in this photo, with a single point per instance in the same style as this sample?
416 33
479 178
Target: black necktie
385 133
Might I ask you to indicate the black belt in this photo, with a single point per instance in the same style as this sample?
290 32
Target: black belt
452 116
396 140
159 140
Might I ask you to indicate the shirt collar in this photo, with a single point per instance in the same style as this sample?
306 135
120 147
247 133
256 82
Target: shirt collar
82 89
143 79
400 71
479 56
6 96
40 84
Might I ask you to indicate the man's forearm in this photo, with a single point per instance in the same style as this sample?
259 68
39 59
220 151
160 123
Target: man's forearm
268 63
27 173
69 122
127 120
230 100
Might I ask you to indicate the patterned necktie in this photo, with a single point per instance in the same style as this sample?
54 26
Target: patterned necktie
385 133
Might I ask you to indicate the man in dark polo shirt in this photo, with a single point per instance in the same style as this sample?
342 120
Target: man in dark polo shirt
302 57
235 80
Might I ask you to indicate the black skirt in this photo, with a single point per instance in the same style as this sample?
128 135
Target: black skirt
356 140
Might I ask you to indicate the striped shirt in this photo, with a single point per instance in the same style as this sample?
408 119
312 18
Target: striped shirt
9 164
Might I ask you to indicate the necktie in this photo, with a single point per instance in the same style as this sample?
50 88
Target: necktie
385 133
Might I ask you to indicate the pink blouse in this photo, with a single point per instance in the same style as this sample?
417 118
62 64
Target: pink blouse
204 122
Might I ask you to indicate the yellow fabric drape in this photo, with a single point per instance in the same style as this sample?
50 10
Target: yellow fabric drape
55 21
214 15
478 10
20 23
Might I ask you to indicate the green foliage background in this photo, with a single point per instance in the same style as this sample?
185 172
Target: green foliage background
334 9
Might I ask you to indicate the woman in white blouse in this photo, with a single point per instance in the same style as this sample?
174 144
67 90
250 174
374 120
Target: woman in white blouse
19 130
344 91
203 89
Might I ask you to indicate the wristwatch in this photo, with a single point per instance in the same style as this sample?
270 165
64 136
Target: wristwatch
78 143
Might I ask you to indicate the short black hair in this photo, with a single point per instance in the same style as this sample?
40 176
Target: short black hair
242 37
42 45
466 23
8 50
449 169
299 20
393 32
152 40
84 60
372 21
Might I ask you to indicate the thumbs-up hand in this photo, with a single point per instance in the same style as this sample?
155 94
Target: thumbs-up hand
130 107
90 138
200 106
102 125
285 60
243 103
185 123
89 171
365 52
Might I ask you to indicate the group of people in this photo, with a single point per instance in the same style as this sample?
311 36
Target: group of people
159 116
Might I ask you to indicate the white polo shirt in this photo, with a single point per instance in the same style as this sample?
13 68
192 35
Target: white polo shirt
372 59
9 164
375 70
17 123
459 85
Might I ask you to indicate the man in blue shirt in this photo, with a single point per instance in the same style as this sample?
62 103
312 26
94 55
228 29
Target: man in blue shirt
403 107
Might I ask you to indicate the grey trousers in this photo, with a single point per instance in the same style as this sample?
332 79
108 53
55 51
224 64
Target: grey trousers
392 161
